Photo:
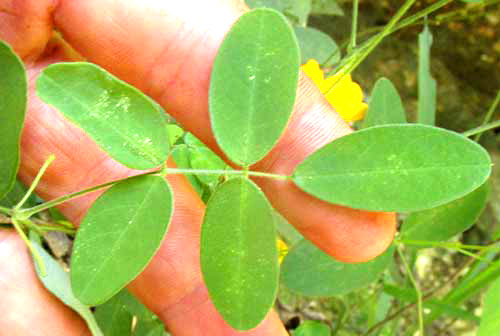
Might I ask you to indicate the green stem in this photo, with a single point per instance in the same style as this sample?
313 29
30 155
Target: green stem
56 228
349 67
225 172
354 25
6 211
443 244
417 290
404 23
34 252
482 128
35 181
489 114
27 213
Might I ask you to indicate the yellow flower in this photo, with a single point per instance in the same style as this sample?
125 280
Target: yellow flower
346 96
282 249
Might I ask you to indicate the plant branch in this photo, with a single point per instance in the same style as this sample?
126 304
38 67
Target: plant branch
482 128
489 114
417 290
351 65
427 296
36 256
354 25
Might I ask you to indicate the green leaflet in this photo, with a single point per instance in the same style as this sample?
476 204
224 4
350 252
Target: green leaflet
326 7
427 86
395 168
314 44
13 97
253 85
447 220
239 257
385 105
118 237
57 282
124 122
312 328
113 317
309 271
490 320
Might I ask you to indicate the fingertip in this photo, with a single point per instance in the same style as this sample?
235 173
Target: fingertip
367 236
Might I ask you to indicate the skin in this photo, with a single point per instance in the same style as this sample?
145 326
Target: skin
166 49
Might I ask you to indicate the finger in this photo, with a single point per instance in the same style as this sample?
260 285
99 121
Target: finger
27 308
169 56
172 282
26 25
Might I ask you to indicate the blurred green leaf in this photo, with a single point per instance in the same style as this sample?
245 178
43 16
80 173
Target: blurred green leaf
174 133
15 195
181 154
427 86
118 236
394 168
124 122
490 320
296 10
150 328
312 328
448 220
58 283
409 295
274 4
480 275
286 230
253 85
326 7
315 44
13 98
309 271
385 105
113 316
239 257
202 157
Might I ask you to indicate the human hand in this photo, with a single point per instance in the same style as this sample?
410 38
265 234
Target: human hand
166 49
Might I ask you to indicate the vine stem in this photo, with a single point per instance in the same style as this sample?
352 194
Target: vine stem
445 244
489 114
4 210
350 66
354 26
36 256
417 290
27 213
482 128
35 182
